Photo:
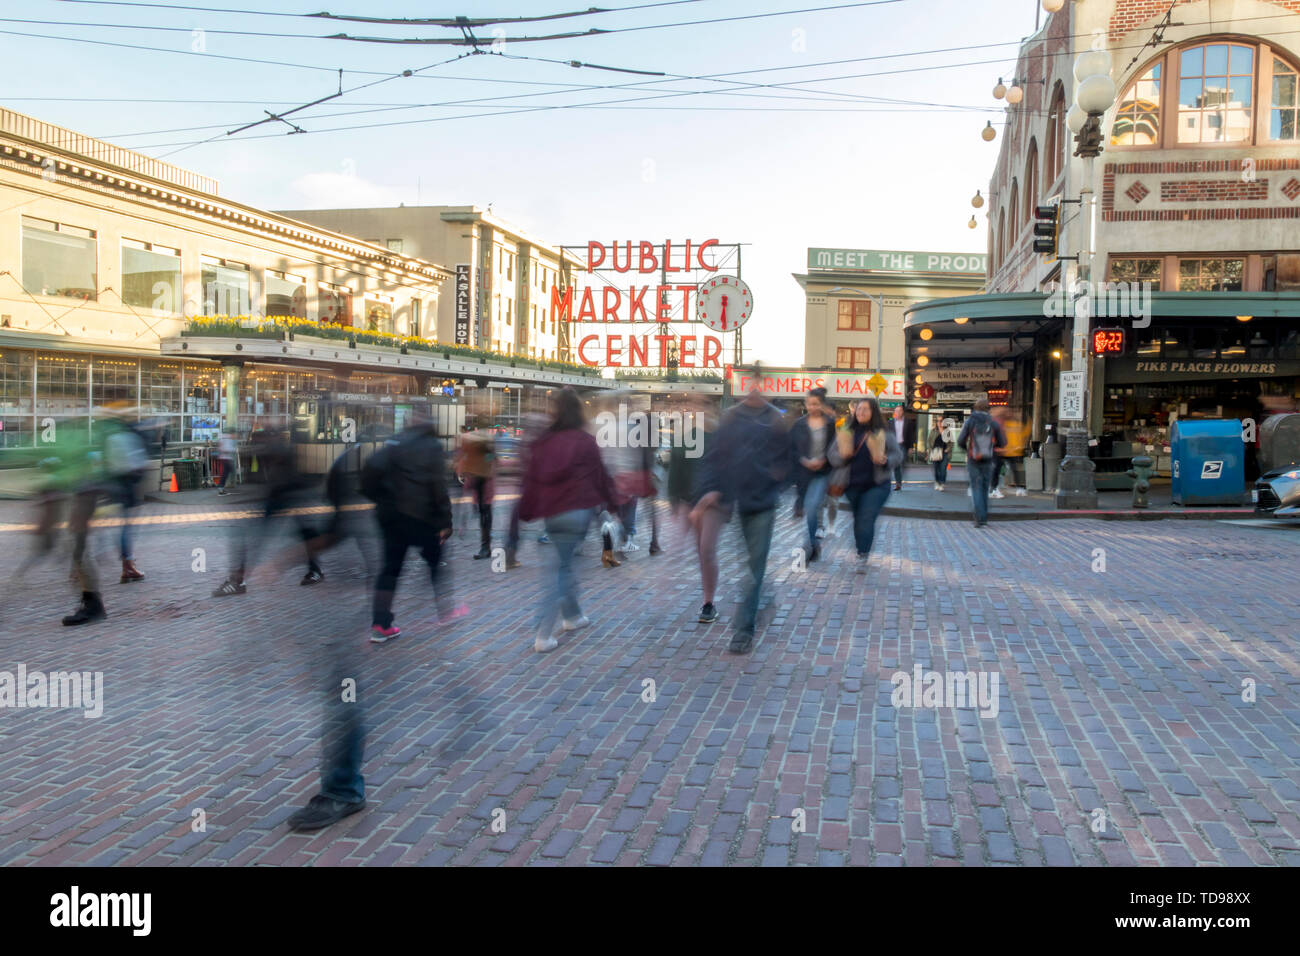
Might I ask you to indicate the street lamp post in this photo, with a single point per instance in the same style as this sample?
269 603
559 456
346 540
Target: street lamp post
1094 94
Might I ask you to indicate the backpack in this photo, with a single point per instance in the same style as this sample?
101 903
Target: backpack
374 475
981 439
124 453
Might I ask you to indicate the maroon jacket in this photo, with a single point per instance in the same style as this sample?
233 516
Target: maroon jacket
565 473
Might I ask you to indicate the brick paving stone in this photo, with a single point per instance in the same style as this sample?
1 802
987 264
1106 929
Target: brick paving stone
1112 698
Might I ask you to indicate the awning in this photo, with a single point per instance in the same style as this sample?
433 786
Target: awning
996 329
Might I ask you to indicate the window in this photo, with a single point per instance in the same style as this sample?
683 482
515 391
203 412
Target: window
286 294
1210 275
854 316
510 268
1053 159
335 304
1013 220
1136 270
394 245
1219 98
1214 93
225 287
59 260
1002 236
151 276
1031 182
1284 122
1137 118
16 423
853 358
379 314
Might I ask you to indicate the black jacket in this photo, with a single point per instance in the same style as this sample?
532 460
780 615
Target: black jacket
415 484
749 459
801 439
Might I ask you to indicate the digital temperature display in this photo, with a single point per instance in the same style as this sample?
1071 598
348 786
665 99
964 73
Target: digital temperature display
1108 342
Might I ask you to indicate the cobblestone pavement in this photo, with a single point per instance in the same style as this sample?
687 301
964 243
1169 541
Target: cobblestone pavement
1123 732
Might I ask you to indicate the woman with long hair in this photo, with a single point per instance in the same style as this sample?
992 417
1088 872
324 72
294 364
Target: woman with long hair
565 484
871 452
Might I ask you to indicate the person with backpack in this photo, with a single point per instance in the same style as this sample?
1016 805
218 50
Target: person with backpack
566 483
126 459
407 481
871 452
981 436
746 467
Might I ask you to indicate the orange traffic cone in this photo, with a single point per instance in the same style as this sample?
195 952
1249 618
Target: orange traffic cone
176 485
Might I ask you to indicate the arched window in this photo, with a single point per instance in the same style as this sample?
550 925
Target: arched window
1013 215
1053 155
1031 182
1217 90
1002 236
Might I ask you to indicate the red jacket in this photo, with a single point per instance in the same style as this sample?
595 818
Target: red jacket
565 473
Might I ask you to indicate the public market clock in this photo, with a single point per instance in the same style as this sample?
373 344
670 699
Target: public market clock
724 303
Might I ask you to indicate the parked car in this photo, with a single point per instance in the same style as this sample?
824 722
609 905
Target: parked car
1278 493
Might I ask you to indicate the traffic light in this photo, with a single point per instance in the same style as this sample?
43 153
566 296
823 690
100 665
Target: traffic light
1047 229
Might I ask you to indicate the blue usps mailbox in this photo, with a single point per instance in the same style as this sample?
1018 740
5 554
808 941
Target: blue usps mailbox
1209 462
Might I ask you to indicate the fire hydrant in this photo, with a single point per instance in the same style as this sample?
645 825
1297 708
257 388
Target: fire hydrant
1141 475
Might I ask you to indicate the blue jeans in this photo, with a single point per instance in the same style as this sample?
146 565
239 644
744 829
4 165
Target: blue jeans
566 531
866 504
813 497
127 494
627 515
756 527
981 479
941 470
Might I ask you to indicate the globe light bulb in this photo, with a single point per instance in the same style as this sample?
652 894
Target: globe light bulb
978 200
972 224
1091 63
988 132
1053 6
962 319
922 361
1015 95
1075 118
1000 90
1096 94
927 334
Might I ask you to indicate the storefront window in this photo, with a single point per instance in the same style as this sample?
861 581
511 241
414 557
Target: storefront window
114 380
379 315
225 287
160 395
1205 343
286 294
1136 270
1178 343
1210 275
62 386
16 398
335 304
151 276
59 259
202 415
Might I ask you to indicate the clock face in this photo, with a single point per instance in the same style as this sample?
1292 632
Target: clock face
724 303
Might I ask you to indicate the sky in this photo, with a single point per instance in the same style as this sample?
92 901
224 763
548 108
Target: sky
876 147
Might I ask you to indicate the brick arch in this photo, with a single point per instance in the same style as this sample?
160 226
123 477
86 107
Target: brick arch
1129 15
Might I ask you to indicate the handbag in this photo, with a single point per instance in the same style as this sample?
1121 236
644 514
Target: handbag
839 480
936 454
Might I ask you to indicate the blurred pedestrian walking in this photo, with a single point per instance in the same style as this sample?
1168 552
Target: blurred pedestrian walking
565 484
810 437
870 450
981 436
474 467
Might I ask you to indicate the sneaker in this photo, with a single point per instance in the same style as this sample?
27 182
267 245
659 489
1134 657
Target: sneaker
314 576
968 491
1020 492
655 549
230 587
630 544
222 491
863 561
742 643
708 613
459 611
942 486
483 553
937 487
382 635
577 623
544 645
544 539
821 532
996 493
814 554
321 811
